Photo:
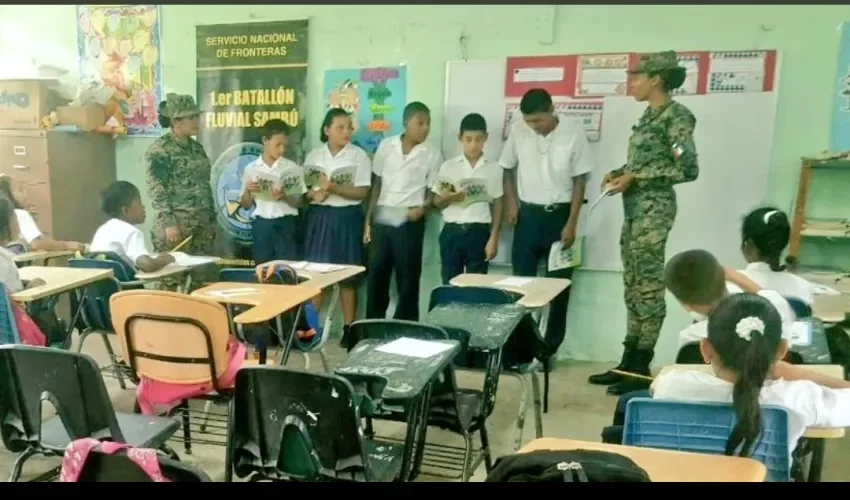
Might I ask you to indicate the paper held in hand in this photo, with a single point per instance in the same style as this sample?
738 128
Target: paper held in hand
474 189
340 176
182 259
605 193
564 258
289 181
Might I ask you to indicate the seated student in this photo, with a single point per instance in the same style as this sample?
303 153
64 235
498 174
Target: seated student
699 283
29 232
28 332
470 235
274 230
764 236
745 349
123 203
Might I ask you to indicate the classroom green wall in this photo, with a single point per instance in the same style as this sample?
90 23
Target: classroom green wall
425 37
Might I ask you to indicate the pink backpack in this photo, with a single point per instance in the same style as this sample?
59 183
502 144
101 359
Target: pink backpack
78 451
28 331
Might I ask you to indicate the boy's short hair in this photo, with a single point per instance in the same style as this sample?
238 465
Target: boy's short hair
275 126
118 195
695 277
473 122
413 109
535 101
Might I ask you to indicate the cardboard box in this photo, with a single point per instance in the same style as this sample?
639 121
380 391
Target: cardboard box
87 117
23 103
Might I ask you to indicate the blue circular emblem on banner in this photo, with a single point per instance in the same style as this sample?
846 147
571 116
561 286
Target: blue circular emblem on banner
225 182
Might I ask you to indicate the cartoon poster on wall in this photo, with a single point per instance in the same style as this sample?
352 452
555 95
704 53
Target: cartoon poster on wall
375 97
118 46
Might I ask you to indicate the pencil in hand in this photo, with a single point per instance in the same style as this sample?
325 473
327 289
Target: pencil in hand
182 243
633 375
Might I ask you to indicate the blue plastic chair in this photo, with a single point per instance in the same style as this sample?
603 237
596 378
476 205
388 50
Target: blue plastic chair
124 273
8 327
705 428
800 308
95 316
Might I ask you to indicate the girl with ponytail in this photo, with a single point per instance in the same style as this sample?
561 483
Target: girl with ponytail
745 348
764 237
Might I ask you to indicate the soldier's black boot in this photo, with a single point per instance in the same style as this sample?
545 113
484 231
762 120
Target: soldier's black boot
609 377
639 364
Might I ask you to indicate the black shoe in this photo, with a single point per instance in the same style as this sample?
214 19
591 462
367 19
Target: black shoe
609 377
638 364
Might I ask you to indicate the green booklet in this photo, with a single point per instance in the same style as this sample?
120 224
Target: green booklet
475 190
340 176
290 182
561 257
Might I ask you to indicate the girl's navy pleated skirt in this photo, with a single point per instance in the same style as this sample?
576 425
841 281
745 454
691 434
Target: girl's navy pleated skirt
334 235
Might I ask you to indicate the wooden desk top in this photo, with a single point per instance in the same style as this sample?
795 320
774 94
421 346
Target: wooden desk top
536 294
836 371
830 308
667 466
320 280
41 255
172 269
58 280
269 301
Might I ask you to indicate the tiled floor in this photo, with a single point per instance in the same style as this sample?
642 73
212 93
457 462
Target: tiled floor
576 410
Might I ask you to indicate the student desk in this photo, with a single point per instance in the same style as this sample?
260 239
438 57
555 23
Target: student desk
830 308
268 301
25 259
488 327
409 379
59 280
537 294
175 269
817 435
666 466
321 281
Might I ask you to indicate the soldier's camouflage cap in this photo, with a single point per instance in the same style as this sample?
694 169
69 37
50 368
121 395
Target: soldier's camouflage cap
656 62
179 106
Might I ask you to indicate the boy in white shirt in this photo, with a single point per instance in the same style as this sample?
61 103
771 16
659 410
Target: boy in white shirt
470 235
274 230
123 203
405 167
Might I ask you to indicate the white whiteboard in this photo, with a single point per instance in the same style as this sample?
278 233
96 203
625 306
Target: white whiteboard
734 135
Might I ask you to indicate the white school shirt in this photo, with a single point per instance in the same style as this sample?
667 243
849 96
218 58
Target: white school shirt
699 330
9 274
29 229
785 283
548 164
349 156
459 168
405 179
267 209
123 238
808 404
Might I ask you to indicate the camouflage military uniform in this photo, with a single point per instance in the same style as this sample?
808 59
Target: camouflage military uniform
661 154
178 179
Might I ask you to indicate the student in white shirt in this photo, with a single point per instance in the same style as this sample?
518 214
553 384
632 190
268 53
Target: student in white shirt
123 203
274 229
9 274
405 168
546 159
29 231
335 217
470 235
745 349
699 283
764 236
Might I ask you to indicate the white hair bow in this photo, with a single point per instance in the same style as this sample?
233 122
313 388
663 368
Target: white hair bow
747 326
768 215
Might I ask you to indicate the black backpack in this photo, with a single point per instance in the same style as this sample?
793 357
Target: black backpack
566 466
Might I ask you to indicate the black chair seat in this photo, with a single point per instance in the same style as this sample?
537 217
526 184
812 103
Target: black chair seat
457 412
140 431
384 460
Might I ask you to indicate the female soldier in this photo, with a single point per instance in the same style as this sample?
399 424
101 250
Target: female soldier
661 154
178 178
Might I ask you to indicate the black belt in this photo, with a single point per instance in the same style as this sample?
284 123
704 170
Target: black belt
549 208
468 226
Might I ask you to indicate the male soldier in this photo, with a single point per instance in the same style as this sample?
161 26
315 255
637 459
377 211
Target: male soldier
178 178
661 154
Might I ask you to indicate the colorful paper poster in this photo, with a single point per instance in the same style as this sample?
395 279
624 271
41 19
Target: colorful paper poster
741 71
600 75
693 64
375 97
839 136
247 74
119 45
587 113
555 74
